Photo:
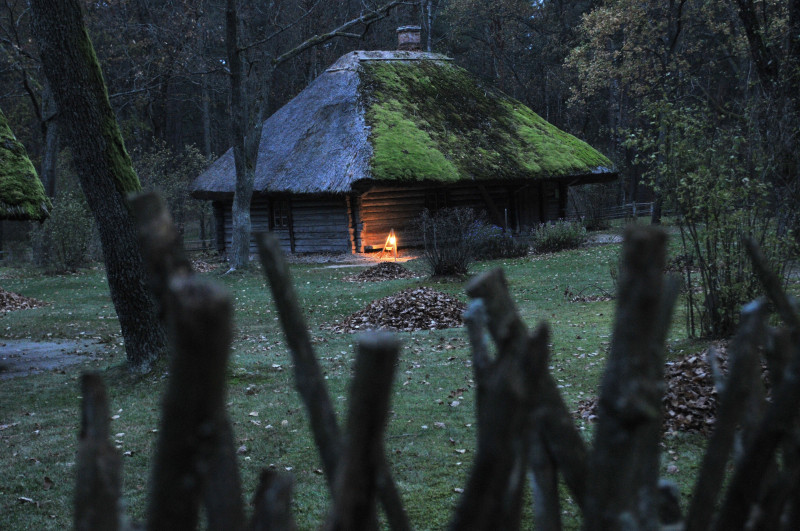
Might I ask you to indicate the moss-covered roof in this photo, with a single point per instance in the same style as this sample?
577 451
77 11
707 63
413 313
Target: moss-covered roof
431 120
22 195
404 117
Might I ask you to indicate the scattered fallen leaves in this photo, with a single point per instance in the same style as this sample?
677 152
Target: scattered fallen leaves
412 309
10 302
381 272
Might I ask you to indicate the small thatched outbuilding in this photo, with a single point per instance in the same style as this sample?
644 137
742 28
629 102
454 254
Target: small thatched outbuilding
380 136
22 195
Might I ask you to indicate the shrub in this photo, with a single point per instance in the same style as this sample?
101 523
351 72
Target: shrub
493 243
65 240
557 236
450 238
721 187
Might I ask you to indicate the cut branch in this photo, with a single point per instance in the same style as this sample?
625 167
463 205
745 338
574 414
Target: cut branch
193 424
492 498
624 464
310 383
99 476
743 363
273 503
354 495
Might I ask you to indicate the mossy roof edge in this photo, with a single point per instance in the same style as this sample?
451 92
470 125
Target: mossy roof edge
22 196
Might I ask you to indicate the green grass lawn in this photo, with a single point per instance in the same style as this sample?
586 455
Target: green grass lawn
430 438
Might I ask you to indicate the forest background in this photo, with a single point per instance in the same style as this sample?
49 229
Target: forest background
696 101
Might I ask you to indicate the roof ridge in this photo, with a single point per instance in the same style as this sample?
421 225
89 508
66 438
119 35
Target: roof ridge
351 60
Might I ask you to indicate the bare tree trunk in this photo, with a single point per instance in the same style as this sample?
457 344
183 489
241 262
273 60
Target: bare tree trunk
246 128
247 115
245 169
104 168
206 118
51 143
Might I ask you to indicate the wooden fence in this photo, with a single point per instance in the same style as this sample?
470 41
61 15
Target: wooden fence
524 428
623 211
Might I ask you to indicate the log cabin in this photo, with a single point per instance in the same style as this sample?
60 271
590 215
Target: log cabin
382 135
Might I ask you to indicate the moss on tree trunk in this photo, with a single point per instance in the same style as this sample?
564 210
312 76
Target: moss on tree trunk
104 168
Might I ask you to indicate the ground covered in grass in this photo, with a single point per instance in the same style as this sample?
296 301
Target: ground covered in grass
430 438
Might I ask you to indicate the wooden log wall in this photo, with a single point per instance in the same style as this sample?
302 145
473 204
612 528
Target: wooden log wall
512 206
359 223
318 224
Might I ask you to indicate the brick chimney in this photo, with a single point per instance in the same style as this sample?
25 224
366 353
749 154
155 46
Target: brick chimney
408 38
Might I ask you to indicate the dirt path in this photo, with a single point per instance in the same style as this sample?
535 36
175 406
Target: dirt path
19 357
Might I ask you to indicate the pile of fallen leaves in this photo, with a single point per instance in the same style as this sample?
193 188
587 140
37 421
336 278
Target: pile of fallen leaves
13 301
580 296
690 402
381 272
203 266
411 309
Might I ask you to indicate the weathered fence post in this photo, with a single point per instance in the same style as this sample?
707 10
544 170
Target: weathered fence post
98 467
622 485
310 383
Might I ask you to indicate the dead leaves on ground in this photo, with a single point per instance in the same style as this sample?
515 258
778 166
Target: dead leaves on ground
200 265
690 401
381 272
412 309
10 302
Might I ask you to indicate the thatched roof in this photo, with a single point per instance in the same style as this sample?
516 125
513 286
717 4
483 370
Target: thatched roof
22 195
403 117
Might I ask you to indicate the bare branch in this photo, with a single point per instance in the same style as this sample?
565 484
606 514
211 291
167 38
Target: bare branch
310 382
194 406
778 423
544 486
367 19
492 498
772 284
308 376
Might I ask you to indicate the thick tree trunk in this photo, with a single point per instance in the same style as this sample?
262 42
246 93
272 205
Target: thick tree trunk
104 168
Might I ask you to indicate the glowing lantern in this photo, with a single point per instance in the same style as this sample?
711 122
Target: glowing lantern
390 245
